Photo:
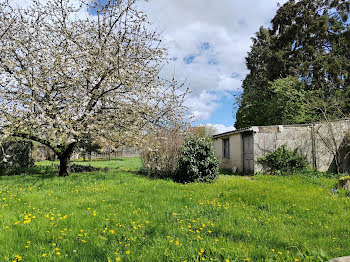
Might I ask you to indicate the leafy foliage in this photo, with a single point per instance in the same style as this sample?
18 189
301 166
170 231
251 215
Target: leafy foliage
287 103
197 162
283 161
16 153
309 40
290 102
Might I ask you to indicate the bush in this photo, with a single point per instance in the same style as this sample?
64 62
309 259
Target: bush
284 161
197 162
161 151
16 153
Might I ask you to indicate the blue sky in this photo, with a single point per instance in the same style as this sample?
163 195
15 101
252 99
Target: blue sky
207 42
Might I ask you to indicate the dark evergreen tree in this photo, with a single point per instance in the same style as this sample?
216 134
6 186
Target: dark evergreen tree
309 40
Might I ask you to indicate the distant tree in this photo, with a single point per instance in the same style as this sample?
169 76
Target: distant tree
310 40
66 73
87 148
210 131
203 131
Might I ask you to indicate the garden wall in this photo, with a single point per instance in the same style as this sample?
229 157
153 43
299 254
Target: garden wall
325 144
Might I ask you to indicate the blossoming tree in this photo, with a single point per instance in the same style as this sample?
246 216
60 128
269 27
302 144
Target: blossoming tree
75 69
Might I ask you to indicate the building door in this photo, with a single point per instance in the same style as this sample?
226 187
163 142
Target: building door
248 153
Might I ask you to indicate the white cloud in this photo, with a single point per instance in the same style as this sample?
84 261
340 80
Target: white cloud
203 105
220 128
227 26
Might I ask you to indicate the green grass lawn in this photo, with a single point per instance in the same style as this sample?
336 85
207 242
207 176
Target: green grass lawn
121 216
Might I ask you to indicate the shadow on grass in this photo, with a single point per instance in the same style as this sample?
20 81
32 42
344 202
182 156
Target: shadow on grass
101 159
226 172
145 173
41 171
229 172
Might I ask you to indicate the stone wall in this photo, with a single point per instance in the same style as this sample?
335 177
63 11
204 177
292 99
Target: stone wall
320 143
332 146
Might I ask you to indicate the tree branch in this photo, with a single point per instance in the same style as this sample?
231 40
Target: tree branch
37 139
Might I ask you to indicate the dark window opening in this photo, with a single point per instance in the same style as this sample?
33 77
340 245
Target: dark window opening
226 145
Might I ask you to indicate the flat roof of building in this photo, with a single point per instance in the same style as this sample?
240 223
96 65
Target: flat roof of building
237 131
256 128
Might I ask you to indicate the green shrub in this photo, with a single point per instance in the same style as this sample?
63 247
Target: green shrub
197 162
16 153
283 161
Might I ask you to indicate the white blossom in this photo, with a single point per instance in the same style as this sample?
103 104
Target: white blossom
65 77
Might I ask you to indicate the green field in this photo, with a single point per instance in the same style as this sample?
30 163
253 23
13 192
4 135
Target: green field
121 216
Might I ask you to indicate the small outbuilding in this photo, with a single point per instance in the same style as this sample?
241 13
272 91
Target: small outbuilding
325 145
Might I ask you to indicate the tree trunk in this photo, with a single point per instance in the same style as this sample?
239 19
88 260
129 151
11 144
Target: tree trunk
65 161
64 166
